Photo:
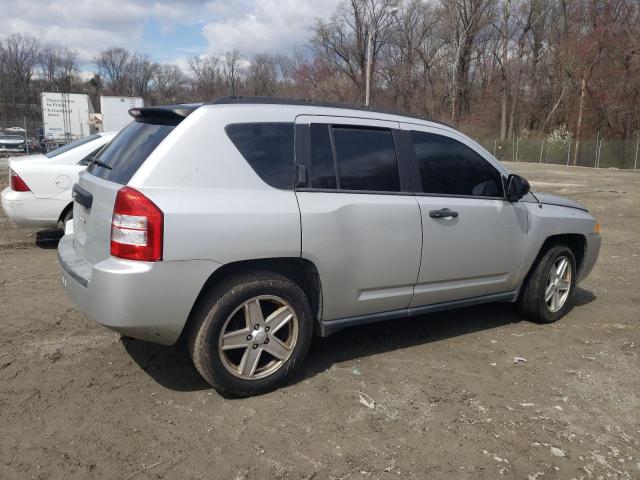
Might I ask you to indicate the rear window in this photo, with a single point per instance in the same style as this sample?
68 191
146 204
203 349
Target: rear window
128 151
268 148
72 145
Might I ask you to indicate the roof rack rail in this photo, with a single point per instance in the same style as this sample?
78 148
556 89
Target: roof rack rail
251 100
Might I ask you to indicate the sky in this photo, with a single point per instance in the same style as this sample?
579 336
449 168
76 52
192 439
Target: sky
169 31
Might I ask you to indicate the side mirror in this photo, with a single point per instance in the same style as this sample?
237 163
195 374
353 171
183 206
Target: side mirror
517 187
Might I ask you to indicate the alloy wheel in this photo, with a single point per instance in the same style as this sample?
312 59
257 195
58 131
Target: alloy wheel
558 284
258 337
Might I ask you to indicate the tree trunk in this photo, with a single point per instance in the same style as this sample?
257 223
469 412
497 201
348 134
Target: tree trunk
514 104
516 91
553 110
461 79
503 60
583 94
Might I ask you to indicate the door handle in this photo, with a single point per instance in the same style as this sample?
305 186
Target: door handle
444 213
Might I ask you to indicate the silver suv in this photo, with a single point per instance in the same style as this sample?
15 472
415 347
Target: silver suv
248 224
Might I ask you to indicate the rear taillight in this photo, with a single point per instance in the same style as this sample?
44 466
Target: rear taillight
136 227
17 184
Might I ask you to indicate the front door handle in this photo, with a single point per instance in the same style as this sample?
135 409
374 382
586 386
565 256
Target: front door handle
444 213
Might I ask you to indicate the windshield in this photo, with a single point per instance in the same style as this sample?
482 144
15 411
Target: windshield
72 145
12 138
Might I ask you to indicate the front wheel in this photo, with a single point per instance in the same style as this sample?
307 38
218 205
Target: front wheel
548 292
248 333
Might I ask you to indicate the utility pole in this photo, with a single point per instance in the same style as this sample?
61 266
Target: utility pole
368 79
26 140
371 32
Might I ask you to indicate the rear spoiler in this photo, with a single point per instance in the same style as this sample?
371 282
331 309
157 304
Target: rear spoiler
166 112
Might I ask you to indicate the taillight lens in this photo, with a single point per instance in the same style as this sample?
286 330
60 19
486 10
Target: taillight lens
136 227
17 184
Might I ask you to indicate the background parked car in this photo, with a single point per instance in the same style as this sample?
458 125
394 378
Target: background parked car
12 143
39 193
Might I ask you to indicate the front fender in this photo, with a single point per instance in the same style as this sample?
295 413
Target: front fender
546 221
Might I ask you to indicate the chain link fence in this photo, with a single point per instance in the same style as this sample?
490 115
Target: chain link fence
599 153
31 126
31 131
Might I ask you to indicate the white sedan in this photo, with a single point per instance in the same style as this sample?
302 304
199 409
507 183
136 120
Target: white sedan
39 193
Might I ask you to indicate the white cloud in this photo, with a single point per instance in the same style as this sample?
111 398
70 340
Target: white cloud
88 26
269 26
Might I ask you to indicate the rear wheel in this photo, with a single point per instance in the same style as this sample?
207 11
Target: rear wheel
548 292
248 333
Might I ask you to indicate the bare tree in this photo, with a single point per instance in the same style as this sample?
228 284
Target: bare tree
169 82
20 56
140 72
465 19
407 60
342 40
504 31
113 68
493 66
207 76
595 24
232 71
59 68
261 75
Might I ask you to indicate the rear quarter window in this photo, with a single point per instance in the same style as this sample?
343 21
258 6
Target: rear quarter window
268 148
120 160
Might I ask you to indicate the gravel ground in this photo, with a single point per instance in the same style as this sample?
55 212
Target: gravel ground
78 402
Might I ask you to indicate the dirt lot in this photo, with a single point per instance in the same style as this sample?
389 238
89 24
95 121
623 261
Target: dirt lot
78 402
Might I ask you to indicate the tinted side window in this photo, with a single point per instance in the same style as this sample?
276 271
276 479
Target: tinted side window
450 167
268 148
366 159
322 172
128 150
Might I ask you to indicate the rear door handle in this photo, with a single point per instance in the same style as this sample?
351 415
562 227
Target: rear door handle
444 213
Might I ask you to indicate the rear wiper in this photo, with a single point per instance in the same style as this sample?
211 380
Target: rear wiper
100 163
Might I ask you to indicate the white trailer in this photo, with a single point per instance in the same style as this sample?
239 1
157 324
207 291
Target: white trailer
115 111
65 116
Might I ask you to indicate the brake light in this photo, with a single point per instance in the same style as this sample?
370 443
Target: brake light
136 227
17 184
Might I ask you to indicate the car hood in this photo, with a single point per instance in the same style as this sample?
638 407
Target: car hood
549 199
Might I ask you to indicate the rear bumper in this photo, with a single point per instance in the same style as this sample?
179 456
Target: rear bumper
149 301
591 253
25 210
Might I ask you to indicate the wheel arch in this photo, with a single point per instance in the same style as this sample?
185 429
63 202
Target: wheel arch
64 212
577 242
301 271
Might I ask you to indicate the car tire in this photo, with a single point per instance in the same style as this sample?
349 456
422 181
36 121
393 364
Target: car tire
68 215
239 337
543 298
